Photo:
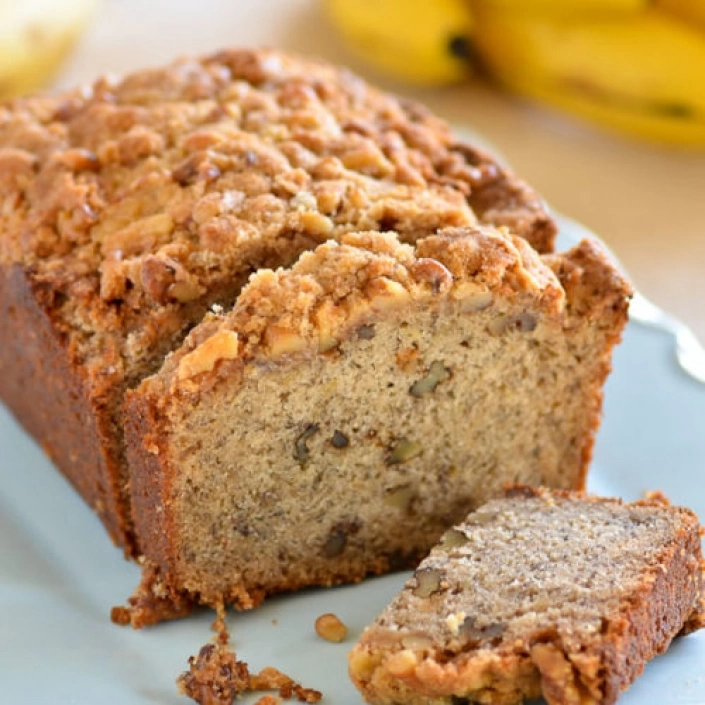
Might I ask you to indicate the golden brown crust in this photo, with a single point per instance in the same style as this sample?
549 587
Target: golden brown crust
571 663
142 201
52 395
149 485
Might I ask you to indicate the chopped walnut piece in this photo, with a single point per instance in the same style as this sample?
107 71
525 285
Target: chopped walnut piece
403 450
157 275
301 451
366 332
401 497
224 345
330 628
433 273
437 373
470 630
453 538
339 440
283 341
335 544
429 581
523 322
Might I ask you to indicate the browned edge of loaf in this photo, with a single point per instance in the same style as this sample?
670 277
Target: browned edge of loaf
150 488
597 295
51 396
667 603
89 452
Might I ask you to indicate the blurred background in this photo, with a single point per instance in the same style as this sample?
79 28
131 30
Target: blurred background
599 104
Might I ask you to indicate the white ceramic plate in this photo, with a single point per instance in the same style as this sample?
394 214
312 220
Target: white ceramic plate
59 574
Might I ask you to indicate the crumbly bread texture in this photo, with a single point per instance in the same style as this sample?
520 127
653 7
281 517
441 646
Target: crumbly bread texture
539 593
351 408
131 206
217 677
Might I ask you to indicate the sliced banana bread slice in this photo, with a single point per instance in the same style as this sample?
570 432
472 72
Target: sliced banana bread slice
353 407
539 593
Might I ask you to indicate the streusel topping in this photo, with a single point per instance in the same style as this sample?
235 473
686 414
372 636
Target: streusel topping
152 196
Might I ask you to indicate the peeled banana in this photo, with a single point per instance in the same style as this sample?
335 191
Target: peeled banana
416 41
35 36
643 74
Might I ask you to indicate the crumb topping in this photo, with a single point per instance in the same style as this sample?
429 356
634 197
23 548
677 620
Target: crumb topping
315 304
217 677
144 195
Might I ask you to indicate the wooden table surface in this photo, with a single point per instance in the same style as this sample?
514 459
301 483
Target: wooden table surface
647 202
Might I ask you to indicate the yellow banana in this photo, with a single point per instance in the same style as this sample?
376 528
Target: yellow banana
35 35
642 74
571 7
417 41
688 10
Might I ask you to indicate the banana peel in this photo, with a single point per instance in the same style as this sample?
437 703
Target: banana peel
641 74
691 11
637 66
649 126
573 8
35 38
424 42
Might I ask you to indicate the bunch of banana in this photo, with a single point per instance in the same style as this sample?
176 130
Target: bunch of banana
35 36
634 65
416 41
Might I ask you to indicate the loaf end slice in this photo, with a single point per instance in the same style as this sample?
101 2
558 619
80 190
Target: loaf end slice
351 408
541 592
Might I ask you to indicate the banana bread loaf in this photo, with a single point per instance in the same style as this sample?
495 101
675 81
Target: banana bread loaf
129 207
539 593
352 407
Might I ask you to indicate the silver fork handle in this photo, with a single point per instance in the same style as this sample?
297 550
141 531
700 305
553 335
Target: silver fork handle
689 352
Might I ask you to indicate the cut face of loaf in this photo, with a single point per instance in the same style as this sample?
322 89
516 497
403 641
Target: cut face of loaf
538 593
129 207
353 407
